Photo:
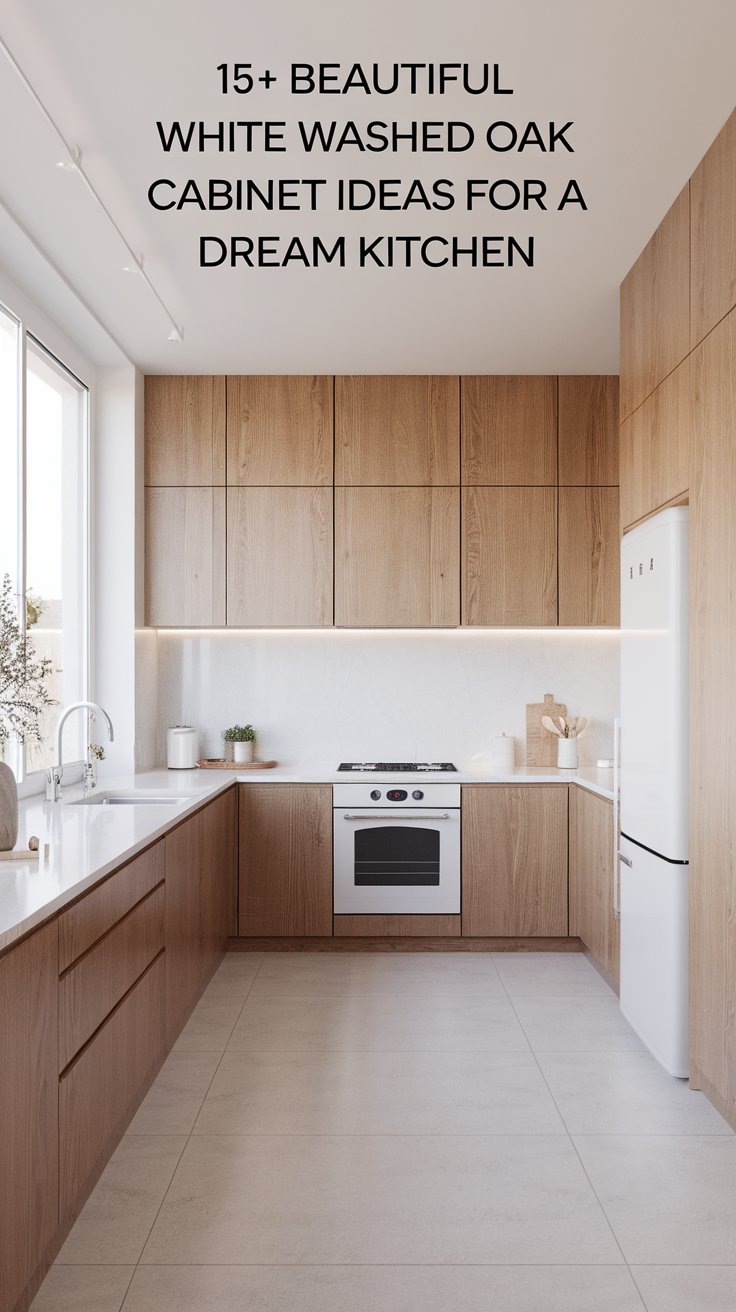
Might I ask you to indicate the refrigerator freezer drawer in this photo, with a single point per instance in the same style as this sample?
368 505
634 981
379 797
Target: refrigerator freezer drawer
654 954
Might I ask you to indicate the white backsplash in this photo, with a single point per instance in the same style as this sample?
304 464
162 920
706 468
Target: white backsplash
320 697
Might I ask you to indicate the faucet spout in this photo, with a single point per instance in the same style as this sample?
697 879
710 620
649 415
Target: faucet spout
55 772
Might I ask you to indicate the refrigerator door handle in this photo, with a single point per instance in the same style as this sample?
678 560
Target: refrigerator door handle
616 799
626 860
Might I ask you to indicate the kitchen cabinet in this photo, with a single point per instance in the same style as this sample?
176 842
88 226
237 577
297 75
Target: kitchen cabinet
184 431
185 556
656 445
279 556
588 424
397 430
514 860
219 881
285 860
592 854
279 431
29 1176
509 430
509 556
588 545
655 308
712 247
397 558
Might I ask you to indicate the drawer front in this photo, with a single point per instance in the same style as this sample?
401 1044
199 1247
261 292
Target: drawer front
102 1089
90 990
93 915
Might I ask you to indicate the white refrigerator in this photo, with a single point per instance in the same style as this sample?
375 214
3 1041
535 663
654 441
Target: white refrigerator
653 855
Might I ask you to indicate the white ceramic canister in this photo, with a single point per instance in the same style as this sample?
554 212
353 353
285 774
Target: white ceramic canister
567 753
181 747
503 752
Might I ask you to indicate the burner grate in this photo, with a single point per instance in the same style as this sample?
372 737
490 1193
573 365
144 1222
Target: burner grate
401 767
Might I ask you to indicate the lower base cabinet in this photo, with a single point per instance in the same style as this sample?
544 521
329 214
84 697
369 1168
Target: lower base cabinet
29 1075
514 860
285 860
591 879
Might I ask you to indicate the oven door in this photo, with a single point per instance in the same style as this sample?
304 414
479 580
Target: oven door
400 862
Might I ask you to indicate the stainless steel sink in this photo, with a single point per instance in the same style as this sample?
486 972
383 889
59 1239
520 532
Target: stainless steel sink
134 798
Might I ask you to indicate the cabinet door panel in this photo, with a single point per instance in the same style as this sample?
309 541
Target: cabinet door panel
285 859
713 249
29 1127
185 431
655 308
588 430
509 430
589 581
509 556
591 878
397 430
397 556
279 556
219 885
185 556
514 860
95 913
183 921
279 430
655 448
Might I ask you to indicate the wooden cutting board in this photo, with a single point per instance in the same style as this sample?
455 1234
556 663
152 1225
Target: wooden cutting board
541 745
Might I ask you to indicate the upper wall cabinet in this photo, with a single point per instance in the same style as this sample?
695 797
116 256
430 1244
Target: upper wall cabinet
655 448
397 556
397 430
713 250
588 556
588 431
509 430
279 556
279 431
185 556
509 556
185 431
655 308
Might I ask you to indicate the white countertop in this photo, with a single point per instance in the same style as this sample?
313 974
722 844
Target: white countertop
87 842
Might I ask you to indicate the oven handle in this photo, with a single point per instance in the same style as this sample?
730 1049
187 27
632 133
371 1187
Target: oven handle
398 815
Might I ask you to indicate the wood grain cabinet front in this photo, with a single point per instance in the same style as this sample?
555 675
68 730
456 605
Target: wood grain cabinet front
185 430
29 1125
185 556
509 556
285 860
279 556
712 245
592 873
397 556
588 546
514 860
588 428
279 430
657 447
509 430
397 430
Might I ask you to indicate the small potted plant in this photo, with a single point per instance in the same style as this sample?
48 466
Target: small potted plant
242 737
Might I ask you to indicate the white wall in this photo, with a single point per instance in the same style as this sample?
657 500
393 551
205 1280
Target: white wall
323 697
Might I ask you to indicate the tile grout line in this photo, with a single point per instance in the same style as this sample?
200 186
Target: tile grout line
189 1135
575 1150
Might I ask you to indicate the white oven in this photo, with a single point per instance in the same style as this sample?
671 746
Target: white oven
397 848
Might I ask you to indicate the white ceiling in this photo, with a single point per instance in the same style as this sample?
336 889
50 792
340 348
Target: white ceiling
648 84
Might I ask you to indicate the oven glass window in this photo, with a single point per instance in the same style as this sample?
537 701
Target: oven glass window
397 857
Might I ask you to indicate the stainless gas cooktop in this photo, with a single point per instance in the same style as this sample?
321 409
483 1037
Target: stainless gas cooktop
401 767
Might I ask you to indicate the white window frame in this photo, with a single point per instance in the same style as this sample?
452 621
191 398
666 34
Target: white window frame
30 782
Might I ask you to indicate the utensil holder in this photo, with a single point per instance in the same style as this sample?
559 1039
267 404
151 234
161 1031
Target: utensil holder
567 753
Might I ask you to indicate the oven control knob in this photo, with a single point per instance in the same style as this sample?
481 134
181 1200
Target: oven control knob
417 794
375 795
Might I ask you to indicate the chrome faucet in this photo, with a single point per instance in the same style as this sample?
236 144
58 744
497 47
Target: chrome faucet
55 772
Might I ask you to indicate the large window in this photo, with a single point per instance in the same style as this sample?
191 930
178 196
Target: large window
44 525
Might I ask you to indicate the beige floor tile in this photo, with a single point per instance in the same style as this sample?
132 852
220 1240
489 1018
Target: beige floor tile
576 1024
669 1200
427 988
625 1093
174 1099
383 1289
114 1224
314 1199
378 970
378 1093
83 1289
210 1025
400 1022
687 1288
549 975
